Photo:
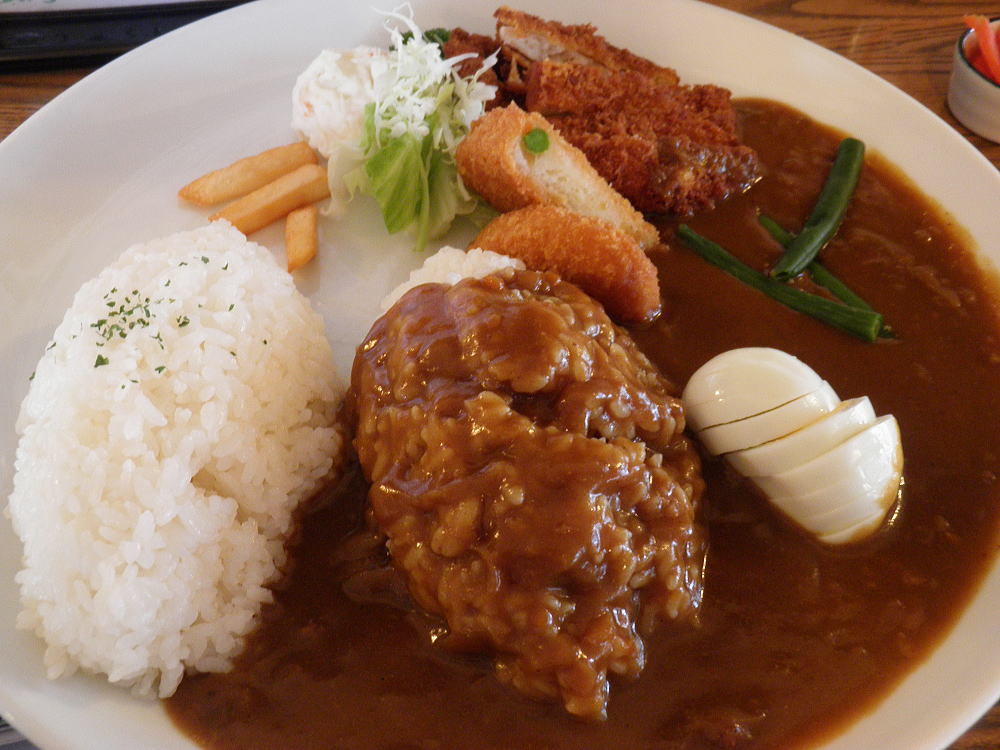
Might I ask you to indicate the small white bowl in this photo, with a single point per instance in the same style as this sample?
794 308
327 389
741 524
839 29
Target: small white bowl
972 97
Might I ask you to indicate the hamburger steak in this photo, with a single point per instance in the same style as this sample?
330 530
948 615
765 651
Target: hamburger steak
529 470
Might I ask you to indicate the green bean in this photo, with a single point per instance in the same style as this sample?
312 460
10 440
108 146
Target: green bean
816 270
781 235
822 275
865 324
828 212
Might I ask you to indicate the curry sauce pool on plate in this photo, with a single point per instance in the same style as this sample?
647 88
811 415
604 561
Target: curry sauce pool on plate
796 639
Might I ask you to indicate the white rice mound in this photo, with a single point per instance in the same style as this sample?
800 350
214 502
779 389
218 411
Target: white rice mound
449 265
157 474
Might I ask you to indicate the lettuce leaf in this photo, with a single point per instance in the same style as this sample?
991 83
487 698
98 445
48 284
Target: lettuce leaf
396 179
447 197
414 184
422 109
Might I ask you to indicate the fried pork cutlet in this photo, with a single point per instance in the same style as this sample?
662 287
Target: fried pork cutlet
493 160
589 252
461 42
526 39
665 148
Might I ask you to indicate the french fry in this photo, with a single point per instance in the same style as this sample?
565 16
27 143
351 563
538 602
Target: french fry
246 175
305 185
301 241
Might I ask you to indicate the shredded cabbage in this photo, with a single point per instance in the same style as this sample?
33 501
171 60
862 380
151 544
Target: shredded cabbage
422 109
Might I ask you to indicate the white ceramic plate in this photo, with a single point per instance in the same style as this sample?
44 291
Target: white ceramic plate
98 169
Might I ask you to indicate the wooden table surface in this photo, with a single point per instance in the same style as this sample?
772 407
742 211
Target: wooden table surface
907 42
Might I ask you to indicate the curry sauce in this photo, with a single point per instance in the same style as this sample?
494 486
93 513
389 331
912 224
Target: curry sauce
795 639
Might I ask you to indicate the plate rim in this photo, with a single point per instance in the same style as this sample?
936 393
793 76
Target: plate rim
57 109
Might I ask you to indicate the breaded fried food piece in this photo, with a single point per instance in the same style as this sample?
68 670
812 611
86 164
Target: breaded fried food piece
494 162
589 252
666 148
462 42
532 38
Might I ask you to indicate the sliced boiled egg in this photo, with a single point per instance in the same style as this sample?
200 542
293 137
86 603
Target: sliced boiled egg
855 533
830 466
772 424
855 495
742 382
808 440
870 455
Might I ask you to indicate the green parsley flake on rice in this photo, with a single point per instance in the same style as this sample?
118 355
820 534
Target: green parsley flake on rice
184 408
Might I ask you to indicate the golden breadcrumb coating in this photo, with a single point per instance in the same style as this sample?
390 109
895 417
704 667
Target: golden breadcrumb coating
461 42
604 262
535 38
493 161
665 148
